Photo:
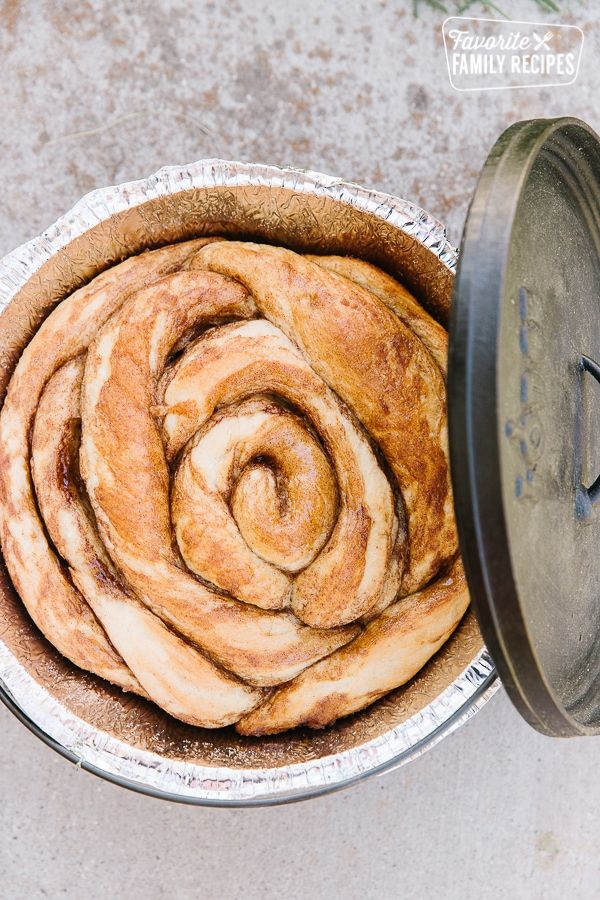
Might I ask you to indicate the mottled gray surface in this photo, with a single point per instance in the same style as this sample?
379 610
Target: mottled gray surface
98 92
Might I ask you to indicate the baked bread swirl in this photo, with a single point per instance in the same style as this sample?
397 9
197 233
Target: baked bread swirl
224 483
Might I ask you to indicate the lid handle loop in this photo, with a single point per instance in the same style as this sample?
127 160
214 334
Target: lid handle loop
587 497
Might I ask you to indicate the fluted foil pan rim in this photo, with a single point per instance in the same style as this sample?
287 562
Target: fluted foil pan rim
148 772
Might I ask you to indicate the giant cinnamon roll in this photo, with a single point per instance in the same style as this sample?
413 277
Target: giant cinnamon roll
224 484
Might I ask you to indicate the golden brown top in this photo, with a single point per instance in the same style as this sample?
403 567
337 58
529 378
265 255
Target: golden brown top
224 483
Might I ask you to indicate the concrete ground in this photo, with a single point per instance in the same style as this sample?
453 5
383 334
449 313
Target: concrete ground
101 92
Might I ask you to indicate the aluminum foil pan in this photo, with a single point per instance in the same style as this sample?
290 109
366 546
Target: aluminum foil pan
121 737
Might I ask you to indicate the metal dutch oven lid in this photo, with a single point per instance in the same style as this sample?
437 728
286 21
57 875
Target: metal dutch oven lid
524 418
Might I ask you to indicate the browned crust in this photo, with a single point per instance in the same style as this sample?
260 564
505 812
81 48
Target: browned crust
123 463
344 376
390 651
377 365
53 602
396 297
166 669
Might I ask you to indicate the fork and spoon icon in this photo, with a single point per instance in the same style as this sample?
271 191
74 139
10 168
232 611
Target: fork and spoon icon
542 41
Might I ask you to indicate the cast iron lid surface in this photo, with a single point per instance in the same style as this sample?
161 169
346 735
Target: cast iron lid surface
524 418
